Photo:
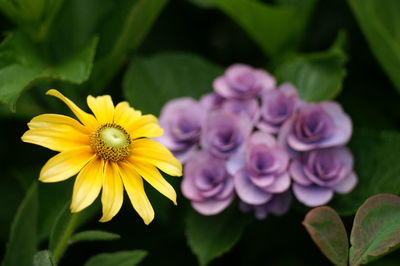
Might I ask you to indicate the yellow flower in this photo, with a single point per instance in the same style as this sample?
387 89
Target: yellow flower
109 151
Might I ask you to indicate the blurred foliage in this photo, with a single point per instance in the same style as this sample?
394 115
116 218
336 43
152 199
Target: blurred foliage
209 242
43 258
379 21
150 51
318 76
122 258
167 75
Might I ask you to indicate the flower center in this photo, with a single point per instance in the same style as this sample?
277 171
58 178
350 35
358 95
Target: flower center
111 142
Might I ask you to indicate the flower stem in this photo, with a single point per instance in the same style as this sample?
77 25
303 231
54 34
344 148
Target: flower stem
65 237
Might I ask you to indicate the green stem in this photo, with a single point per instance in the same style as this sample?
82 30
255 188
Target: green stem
63 242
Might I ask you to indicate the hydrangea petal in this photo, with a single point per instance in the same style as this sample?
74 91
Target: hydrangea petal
312 196
211 101
211 207
283 138
235 163
228 189
281 184
221 87
247 191
346 185
337 123
296 172
259 138
344 127
189 189
280 203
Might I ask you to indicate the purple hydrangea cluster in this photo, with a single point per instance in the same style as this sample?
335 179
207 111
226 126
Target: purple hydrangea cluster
259 141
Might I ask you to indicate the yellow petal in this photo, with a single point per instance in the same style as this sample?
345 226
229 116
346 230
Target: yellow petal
156 154
58 138
87 185
102 107
65 164
133 184
145 126
124 115
154 178
113 192
85 118
51 120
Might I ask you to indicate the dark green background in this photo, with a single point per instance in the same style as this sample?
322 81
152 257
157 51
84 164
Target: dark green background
191 31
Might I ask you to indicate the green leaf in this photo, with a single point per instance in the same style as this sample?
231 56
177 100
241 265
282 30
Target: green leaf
211 236
78 23
62 231
376 158
139 20
65 226
122 258
52 198
376 229
43 258
317 76
275 29
33 16
303 9
93 235
327 230
12 193
22 66
23 236
203 3
379 20
167 75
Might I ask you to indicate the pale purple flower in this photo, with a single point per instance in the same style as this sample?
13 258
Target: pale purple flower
242 81
318 174
207 183
248 108
277 107
262 170
316 126
224 133
278 205
242 107
182 121
211 101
